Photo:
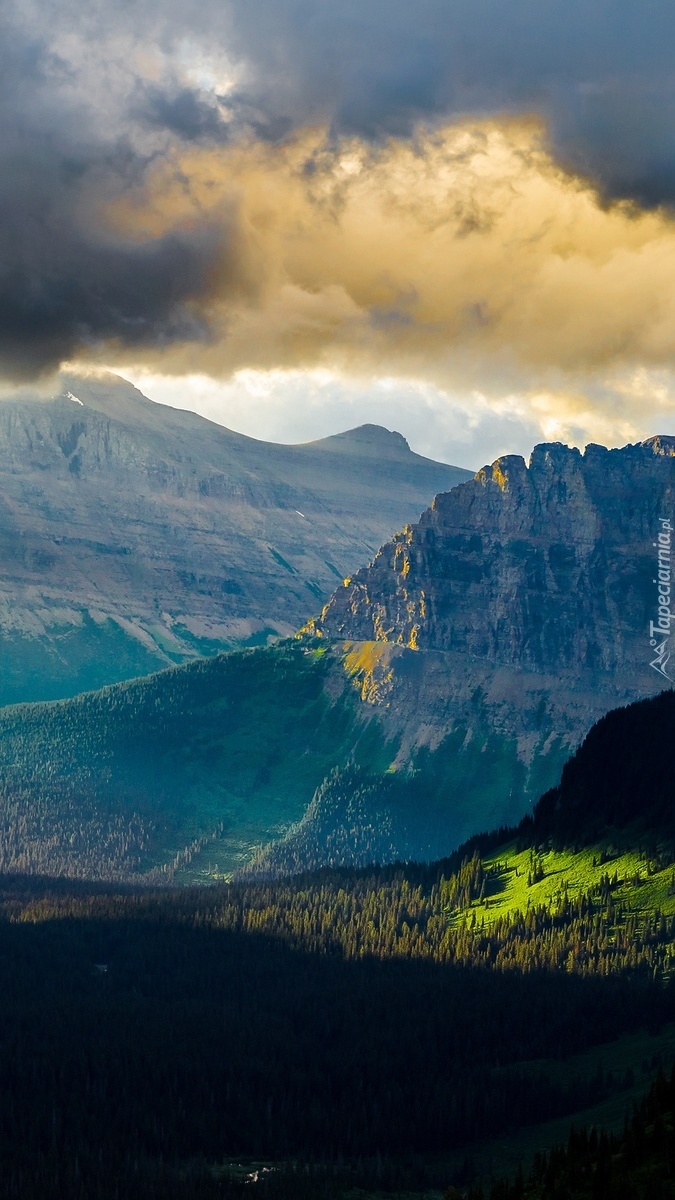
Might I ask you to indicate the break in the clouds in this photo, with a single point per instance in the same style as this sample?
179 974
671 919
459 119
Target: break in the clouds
467 193
300 406
465 429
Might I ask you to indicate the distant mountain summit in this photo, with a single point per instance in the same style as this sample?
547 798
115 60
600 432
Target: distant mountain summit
368 440
134 536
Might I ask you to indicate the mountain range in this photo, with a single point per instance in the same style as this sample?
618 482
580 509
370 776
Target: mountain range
134 536
417 1028
439 693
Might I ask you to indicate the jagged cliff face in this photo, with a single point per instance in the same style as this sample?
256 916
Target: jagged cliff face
517 608
134 535
547 567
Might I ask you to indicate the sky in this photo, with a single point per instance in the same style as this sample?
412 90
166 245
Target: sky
455 218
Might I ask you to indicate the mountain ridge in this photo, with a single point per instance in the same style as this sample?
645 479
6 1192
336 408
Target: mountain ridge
134 536
105 395
539 579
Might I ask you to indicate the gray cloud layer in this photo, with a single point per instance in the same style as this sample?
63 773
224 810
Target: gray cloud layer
93 95
600 72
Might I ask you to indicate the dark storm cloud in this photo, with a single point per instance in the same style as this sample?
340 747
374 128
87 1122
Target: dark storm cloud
67 281
601 72
184 113
92 96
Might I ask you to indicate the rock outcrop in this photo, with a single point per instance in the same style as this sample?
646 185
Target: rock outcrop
518 609
133 535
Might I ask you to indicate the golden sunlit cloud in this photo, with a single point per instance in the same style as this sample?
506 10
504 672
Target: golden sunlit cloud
467 258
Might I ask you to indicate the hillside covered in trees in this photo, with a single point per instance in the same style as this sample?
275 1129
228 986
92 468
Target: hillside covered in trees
265 761
338 1029
638 1164
394 1029
621 778
212 759
186 775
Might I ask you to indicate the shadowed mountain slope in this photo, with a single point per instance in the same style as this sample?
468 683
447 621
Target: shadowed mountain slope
622 777
133 535
204 761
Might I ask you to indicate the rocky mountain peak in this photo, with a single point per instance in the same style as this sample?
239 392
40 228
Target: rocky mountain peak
545 567
105 393
661 444
369 441
512 615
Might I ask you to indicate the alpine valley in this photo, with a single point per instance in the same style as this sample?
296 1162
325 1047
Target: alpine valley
358 1005
337 804
438 693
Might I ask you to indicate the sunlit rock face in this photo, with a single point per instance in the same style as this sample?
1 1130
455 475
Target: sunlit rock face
133 535
546 566
518 607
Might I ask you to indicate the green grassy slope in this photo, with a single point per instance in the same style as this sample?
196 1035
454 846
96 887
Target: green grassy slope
609 824
519 879
202 762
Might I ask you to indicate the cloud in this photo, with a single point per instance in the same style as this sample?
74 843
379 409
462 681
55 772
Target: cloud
68 147
600 76
466 257
467 192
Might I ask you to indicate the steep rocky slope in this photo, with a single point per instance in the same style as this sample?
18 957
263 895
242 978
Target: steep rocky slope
133 535
517 609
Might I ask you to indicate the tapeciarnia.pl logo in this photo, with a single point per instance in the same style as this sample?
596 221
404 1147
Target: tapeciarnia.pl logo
659 630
